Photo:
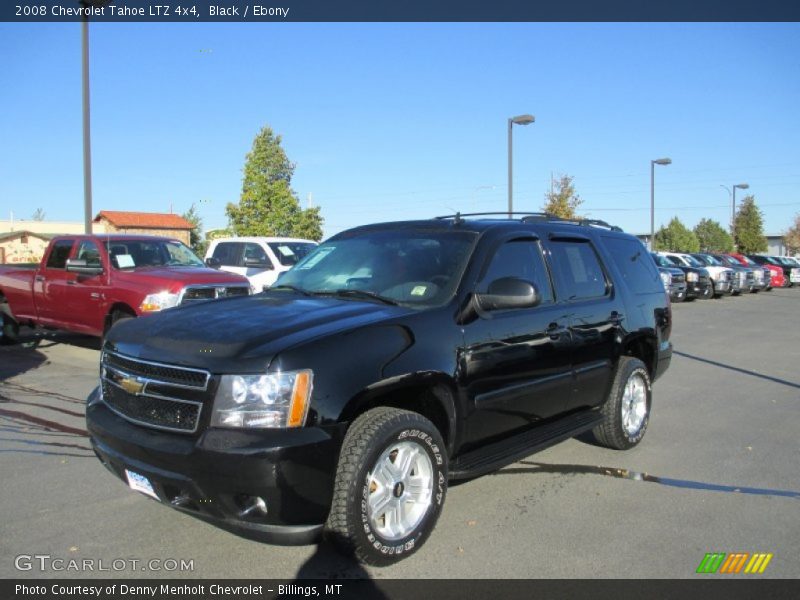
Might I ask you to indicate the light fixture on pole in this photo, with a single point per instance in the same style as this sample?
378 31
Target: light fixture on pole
741 186
518 120
653 163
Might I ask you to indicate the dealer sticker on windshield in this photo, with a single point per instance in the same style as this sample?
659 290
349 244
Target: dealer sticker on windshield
140 483
419 290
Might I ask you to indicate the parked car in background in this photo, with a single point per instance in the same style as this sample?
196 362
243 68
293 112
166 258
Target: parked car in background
260 259
778 278
745 275
790 269
723 277
674 279
86 283
765 279
698 280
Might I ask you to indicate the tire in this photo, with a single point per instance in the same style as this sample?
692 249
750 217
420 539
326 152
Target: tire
9 328
117 316
713 291
367 474
624 425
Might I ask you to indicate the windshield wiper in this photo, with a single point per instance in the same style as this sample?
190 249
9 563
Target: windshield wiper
347 292
293 288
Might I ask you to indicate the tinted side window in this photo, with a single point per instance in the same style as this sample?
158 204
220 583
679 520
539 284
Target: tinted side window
579 269
521 259
633 260
59 254
88 251
227 253
255 252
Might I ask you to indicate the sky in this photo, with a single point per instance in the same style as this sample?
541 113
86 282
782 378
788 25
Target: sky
395 121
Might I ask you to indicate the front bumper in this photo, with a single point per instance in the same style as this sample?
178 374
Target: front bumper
215 475
698 289
677 292
723 287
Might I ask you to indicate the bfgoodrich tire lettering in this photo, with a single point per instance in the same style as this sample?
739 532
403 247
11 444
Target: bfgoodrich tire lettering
370 477
626 412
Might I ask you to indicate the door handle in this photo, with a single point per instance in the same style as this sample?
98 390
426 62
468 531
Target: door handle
555 331
616 318
39 278
70 282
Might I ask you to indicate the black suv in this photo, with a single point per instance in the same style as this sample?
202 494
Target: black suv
391 360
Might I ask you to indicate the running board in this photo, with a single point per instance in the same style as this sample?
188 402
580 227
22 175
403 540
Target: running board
499 454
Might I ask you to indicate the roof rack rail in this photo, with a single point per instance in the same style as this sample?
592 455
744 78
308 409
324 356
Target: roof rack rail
504 213
528 217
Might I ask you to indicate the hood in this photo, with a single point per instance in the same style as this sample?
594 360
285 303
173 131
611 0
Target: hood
242 334
174 277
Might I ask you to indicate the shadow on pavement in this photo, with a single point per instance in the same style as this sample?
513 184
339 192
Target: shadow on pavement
738 369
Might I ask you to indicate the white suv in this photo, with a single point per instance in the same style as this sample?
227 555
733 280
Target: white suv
260 259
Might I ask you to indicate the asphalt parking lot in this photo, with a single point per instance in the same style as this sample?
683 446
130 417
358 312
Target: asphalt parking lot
719 471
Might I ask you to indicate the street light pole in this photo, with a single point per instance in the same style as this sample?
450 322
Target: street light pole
518 120
653 163
87 150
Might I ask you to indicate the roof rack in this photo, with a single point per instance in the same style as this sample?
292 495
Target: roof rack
528 217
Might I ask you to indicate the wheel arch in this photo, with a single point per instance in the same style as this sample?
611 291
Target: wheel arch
117 306
645 348
430 394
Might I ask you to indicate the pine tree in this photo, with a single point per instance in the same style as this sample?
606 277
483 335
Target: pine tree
749 227
268 206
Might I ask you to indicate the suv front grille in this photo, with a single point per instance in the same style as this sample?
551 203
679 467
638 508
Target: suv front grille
153 394
195 293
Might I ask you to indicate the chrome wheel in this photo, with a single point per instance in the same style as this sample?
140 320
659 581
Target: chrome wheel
400 487
634 404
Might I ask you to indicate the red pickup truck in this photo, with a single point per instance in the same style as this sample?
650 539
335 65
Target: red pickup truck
86 283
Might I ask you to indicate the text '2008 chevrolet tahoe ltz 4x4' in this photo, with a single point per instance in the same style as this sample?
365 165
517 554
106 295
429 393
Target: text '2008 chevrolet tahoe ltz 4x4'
392 359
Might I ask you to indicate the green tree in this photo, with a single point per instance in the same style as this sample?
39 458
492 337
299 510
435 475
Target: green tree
676 237
268 206
196 239
562 201
712 237
748 230
791 238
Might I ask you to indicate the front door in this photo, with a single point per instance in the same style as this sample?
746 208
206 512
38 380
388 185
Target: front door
516 364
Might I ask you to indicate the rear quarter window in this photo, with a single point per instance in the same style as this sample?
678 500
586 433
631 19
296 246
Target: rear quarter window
635 264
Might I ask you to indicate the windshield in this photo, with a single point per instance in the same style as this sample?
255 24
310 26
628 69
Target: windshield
130 254
290 253
661 261
418 268
692 260
729 260
709 260
750 261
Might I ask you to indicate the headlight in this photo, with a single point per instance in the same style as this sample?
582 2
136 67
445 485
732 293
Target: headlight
156 302
692 277
667 279
263 401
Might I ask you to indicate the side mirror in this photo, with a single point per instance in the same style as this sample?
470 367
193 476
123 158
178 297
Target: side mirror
213 263
256 263
509 292
79 265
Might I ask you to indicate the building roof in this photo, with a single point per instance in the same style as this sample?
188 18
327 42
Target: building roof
7 235
143 220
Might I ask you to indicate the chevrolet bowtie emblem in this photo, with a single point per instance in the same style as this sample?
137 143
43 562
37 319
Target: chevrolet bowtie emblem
131 385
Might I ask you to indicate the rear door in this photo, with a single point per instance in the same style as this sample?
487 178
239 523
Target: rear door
596 314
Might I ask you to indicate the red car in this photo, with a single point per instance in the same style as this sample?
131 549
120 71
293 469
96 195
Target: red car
85 283
777 279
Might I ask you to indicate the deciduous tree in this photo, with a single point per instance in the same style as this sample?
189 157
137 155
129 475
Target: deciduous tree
676 237
791 238
562 201
712 237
